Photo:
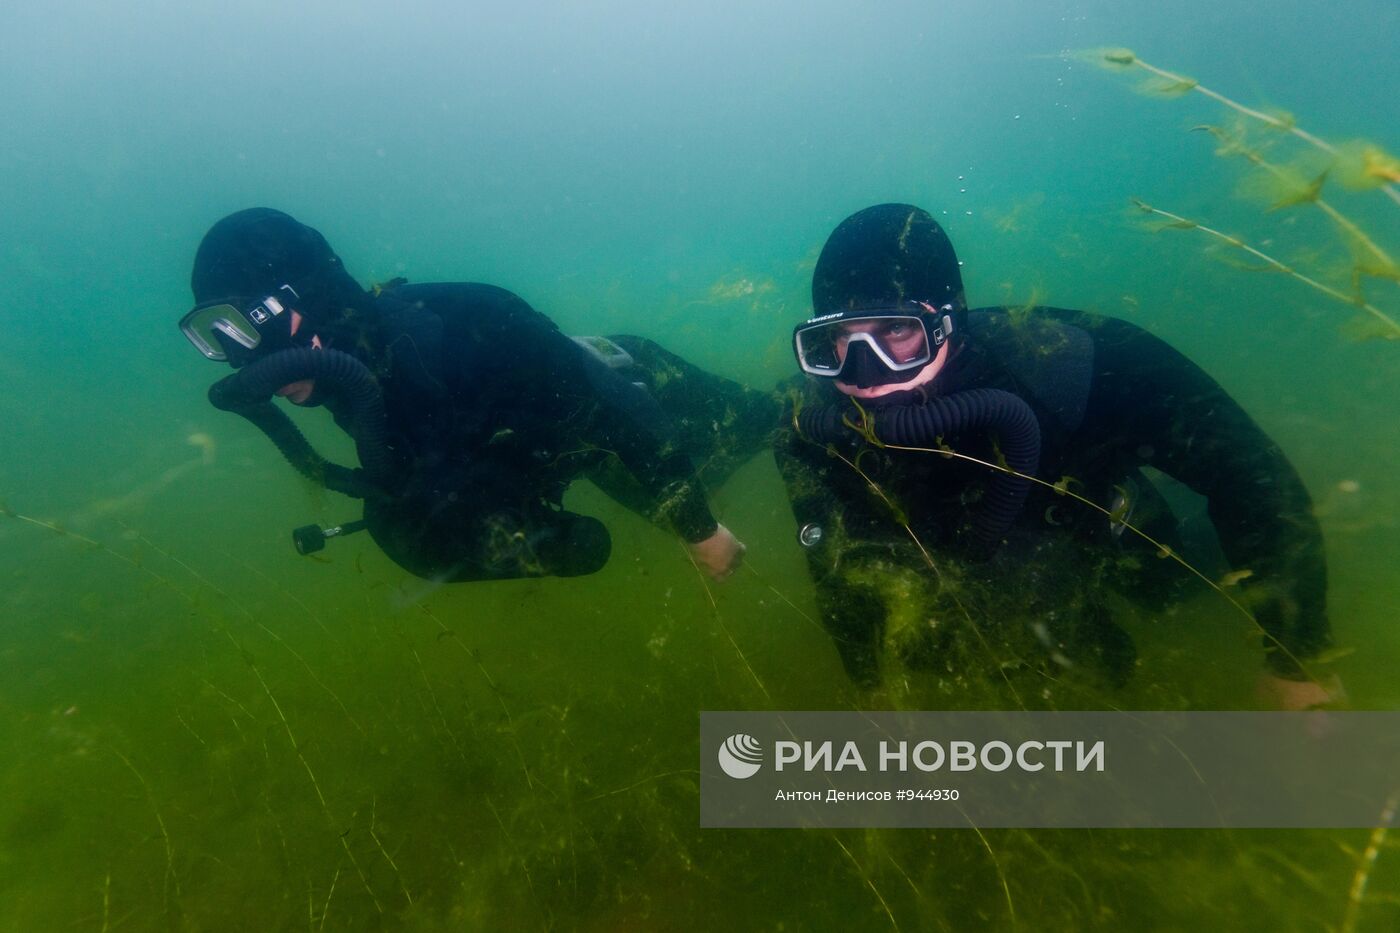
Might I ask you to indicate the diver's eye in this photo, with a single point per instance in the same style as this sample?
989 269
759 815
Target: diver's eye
897 329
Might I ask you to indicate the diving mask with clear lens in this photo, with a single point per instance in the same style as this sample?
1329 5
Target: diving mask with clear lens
900 339
230 330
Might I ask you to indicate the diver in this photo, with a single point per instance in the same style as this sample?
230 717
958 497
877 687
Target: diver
470 411
907 548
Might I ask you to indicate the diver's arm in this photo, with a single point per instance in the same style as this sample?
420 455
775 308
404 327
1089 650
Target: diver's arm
585 400
1155 401
720 423
620 417
663 470
626 423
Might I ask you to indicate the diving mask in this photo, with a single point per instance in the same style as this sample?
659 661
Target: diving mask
228 332
897 340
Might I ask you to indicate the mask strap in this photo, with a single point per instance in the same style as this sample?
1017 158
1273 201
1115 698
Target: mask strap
945 328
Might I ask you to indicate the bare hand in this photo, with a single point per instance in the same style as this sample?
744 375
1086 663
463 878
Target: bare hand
719 555
1294 695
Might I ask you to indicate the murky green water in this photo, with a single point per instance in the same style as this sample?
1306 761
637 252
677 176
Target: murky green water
200 730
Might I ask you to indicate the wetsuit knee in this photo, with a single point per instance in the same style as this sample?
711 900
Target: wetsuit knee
854 616
456 544
575 546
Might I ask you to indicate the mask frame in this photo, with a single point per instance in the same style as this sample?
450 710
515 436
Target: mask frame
814 345
207 322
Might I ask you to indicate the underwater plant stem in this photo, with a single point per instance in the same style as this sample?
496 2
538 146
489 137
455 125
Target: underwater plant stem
315 784
62 532
1236 106
869 882
170 876
361 872
996 863
437 707
444 631
1287 126
1234 143
635 784
724 628
1350 227
942 924
1177 220
312 674
287 726
285 592
889 504
781 595
1362 877
510 842
875 487
326 908
374 801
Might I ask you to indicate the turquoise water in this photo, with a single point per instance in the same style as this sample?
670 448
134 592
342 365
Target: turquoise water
201 731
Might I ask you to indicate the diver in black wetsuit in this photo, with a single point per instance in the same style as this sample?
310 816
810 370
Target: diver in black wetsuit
470 411
1045 392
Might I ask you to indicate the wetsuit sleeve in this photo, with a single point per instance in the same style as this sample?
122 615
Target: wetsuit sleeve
508 356
623 418
720 423
1155 402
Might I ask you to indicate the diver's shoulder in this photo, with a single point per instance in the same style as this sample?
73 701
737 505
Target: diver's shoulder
446 295
475 303
1017 313
998 318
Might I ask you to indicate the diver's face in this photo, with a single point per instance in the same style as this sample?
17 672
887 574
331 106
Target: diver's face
900 338
923 377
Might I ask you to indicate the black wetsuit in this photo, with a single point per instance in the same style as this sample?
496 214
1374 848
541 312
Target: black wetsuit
1111 401
492 412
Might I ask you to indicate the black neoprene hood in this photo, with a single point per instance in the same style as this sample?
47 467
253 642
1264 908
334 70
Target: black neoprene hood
254 252
884 256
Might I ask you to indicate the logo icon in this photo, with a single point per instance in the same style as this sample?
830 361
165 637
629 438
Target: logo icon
741 756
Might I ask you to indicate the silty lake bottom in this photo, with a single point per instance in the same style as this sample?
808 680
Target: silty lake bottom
203 731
